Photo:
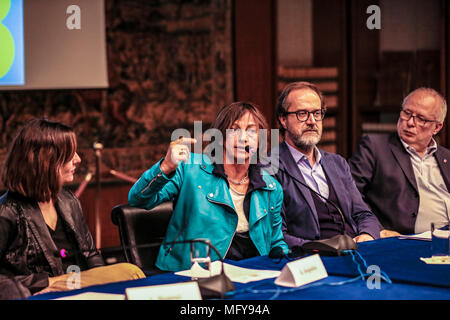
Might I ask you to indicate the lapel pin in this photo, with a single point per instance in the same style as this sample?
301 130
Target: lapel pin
445 160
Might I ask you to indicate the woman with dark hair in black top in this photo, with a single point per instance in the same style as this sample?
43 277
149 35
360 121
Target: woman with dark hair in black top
38 218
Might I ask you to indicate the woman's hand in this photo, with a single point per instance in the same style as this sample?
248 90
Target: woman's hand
58 283
389 233
178 151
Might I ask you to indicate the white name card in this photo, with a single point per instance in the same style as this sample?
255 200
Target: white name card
178 291
303 271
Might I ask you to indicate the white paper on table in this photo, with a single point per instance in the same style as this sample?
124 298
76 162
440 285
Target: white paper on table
175 291
437 260
236 274
426 236
94 296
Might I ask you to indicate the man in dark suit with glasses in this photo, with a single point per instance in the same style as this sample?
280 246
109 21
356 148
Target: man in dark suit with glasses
320 197
405 177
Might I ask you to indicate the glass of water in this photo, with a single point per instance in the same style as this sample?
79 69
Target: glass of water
200 256
440 239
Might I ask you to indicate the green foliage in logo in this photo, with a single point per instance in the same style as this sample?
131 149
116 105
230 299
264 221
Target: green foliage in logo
6 40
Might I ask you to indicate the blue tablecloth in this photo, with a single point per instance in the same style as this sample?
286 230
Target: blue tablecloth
399 259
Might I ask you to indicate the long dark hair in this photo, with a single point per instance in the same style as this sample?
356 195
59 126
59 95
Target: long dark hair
35 158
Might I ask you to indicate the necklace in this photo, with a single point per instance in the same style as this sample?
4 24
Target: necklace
240 182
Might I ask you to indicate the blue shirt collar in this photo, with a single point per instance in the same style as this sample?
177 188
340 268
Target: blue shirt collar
300 156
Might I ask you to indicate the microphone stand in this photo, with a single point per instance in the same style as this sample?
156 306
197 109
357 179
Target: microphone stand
83 184
98 154
122 176
215 286
98 147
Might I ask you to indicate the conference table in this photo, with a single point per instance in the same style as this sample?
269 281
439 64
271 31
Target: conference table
406 277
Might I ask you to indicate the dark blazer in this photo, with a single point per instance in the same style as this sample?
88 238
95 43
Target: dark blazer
384 175
300 218
27 251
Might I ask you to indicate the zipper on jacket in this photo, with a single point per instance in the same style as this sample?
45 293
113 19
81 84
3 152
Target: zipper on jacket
229 246
176 238
151 182
221 203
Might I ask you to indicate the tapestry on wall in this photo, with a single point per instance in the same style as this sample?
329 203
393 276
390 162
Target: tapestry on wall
169 63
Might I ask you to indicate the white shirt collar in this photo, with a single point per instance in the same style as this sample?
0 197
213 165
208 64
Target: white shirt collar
432 147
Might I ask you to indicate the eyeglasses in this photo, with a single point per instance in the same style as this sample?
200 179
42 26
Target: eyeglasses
303 115
418 120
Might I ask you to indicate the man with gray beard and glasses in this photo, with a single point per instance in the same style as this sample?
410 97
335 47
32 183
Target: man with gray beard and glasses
320 196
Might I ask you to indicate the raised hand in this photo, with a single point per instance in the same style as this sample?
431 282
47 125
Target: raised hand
178 151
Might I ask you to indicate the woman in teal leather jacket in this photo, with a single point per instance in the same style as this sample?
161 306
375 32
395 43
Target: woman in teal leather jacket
225 197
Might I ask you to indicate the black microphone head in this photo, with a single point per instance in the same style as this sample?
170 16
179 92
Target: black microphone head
296 252
276 253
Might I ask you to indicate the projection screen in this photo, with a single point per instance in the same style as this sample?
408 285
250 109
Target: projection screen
57 44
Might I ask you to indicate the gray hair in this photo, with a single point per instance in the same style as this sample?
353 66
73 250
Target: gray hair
433 93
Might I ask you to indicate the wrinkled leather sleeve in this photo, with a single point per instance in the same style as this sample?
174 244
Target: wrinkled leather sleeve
154 187
15 285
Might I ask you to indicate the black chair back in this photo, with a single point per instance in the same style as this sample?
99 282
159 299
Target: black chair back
139 226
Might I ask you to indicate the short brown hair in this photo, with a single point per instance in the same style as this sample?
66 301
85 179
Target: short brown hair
282 106
35 157
232 112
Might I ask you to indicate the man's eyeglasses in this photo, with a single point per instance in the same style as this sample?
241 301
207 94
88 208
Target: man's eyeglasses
303 115
418 120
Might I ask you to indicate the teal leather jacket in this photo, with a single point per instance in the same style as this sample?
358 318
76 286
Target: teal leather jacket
203 208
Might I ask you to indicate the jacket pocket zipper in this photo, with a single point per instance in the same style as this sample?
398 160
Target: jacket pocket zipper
151 182
226 205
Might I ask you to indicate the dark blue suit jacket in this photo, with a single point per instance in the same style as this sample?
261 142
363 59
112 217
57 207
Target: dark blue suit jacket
300 218
384 175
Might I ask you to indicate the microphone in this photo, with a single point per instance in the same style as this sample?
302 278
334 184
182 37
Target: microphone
294 252
249 149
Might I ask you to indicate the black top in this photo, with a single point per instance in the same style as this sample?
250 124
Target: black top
66 245
330 221
27 250
242 246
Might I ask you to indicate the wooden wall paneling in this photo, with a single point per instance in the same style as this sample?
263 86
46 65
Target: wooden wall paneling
111 194
330 49
255 53
445 67
363 61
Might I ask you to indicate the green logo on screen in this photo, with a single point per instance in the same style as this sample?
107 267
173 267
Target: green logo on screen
6 40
